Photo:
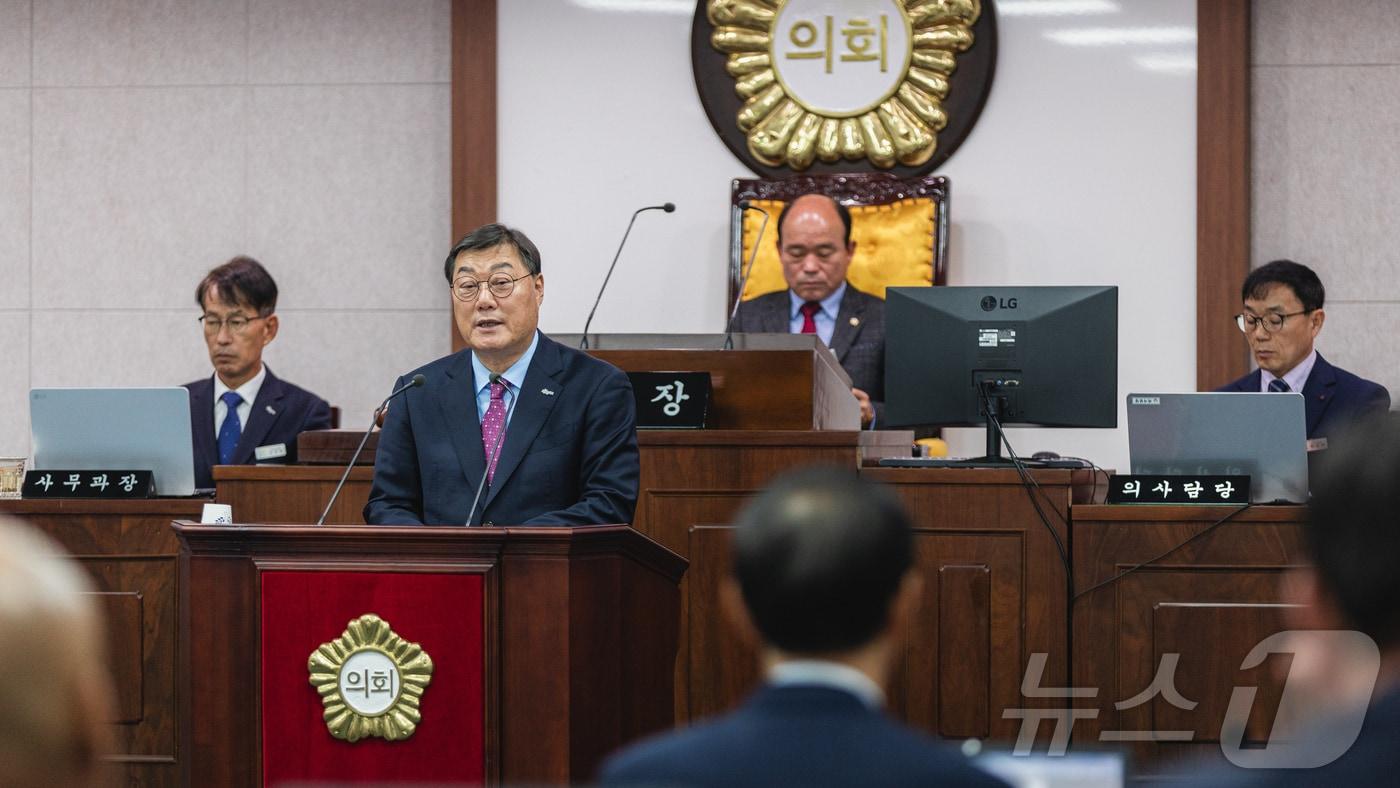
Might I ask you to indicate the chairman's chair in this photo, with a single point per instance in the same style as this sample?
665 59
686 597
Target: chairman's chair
900 226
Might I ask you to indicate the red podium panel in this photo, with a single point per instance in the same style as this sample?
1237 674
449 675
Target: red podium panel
443 613
551 647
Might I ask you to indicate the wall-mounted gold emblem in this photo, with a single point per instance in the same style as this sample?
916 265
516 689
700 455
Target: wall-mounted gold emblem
865 82
371 681
829 85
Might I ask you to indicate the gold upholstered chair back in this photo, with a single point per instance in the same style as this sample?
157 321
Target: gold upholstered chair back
899 225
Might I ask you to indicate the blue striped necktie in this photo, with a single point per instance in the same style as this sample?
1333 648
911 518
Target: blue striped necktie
231 430
1278 386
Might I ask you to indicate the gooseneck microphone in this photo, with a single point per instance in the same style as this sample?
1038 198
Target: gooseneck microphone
417 381
669 207
744 205
495 451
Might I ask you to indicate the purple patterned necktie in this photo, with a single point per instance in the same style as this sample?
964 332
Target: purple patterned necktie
493 428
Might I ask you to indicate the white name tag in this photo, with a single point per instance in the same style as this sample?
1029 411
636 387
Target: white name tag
270 452
1317 444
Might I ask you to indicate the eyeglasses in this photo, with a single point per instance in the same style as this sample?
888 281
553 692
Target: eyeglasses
236 324
1272 321
500 285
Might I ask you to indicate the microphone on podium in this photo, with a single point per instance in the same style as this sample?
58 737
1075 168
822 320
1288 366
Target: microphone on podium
417 381
668 207
744 205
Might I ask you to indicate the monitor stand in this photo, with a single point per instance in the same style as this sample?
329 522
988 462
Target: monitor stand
993 458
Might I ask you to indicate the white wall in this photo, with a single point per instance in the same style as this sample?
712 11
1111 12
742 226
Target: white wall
143 143
1080 171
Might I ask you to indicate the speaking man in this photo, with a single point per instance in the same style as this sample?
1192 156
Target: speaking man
815 247
1282 316
546 432
244 414
822 570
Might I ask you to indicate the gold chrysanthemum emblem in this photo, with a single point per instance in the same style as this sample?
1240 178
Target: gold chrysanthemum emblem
852 79
371 681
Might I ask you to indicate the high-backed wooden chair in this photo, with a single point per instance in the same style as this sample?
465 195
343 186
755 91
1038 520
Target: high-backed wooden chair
900 226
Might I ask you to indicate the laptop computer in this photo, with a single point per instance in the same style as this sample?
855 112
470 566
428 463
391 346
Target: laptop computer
1263 436
120 429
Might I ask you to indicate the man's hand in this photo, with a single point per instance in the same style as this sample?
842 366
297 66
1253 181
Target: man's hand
867 411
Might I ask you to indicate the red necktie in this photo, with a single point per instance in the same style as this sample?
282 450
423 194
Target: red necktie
493 428
809 311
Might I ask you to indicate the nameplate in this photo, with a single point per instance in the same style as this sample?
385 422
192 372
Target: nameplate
88 484
1183 489
671 400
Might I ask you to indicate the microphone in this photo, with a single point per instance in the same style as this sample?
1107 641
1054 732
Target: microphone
744 205
492 455
669 207
417 381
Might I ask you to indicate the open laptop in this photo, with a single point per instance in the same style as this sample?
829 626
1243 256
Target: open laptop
120 429
1263 436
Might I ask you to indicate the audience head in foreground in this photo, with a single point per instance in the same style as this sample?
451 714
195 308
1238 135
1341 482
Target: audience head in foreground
822 571
55 698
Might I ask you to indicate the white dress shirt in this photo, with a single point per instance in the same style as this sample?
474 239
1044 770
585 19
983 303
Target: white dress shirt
808 672
1296 378
248 391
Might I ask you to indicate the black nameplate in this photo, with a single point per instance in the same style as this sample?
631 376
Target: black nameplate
87 484
671 400
1186 489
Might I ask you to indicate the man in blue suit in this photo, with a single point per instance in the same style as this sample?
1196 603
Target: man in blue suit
546 433
1282 316
243 413
822 571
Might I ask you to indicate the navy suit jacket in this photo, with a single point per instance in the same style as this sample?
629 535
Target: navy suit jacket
860 347
794 735
569 456
1332 398
280 413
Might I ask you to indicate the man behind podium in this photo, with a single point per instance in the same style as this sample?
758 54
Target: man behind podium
822 566
244 414
1282 317
815 247
550 431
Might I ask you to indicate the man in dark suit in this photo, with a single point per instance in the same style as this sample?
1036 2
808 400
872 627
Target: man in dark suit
822 570
815 247
244 414
1282 316
1344 614
546 432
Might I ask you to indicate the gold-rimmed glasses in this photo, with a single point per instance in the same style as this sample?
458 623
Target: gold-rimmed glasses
467 289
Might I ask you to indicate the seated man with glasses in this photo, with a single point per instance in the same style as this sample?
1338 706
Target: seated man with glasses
244 414
1282 316
516 429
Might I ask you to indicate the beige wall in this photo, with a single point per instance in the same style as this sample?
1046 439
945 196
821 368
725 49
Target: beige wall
143 142
1327 166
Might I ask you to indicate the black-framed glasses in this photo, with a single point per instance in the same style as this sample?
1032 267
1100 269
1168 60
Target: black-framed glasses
1271 321
500 285
236 324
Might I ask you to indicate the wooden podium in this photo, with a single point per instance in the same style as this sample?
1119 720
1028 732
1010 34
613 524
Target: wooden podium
550 648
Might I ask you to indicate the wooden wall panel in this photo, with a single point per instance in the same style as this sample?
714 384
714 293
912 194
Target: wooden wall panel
473 124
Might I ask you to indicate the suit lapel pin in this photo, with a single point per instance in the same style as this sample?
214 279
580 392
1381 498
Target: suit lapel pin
855 321
271 411
547 392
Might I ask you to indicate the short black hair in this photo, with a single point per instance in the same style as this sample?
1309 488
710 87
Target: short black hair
241 281
841 211
1298 277
490 236
1353 527
819 556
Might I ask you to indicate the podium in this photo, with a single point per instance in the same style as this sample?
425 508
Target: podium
549 648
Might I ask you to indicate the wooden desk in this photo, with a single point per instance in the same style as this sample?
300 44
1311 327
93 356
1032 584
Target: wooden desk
1210 602
293 493
130 551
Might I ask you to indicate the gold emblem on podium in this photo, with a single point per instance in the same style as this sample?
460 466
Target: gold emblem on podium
371 681
859 79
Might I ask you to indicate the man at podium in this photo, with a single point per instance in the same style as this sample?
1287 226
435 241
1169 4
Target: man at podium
815 248
515 430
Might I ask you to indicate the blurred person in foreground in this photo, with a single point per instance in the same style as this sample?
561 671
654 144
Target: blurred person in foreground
822 570
55 699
